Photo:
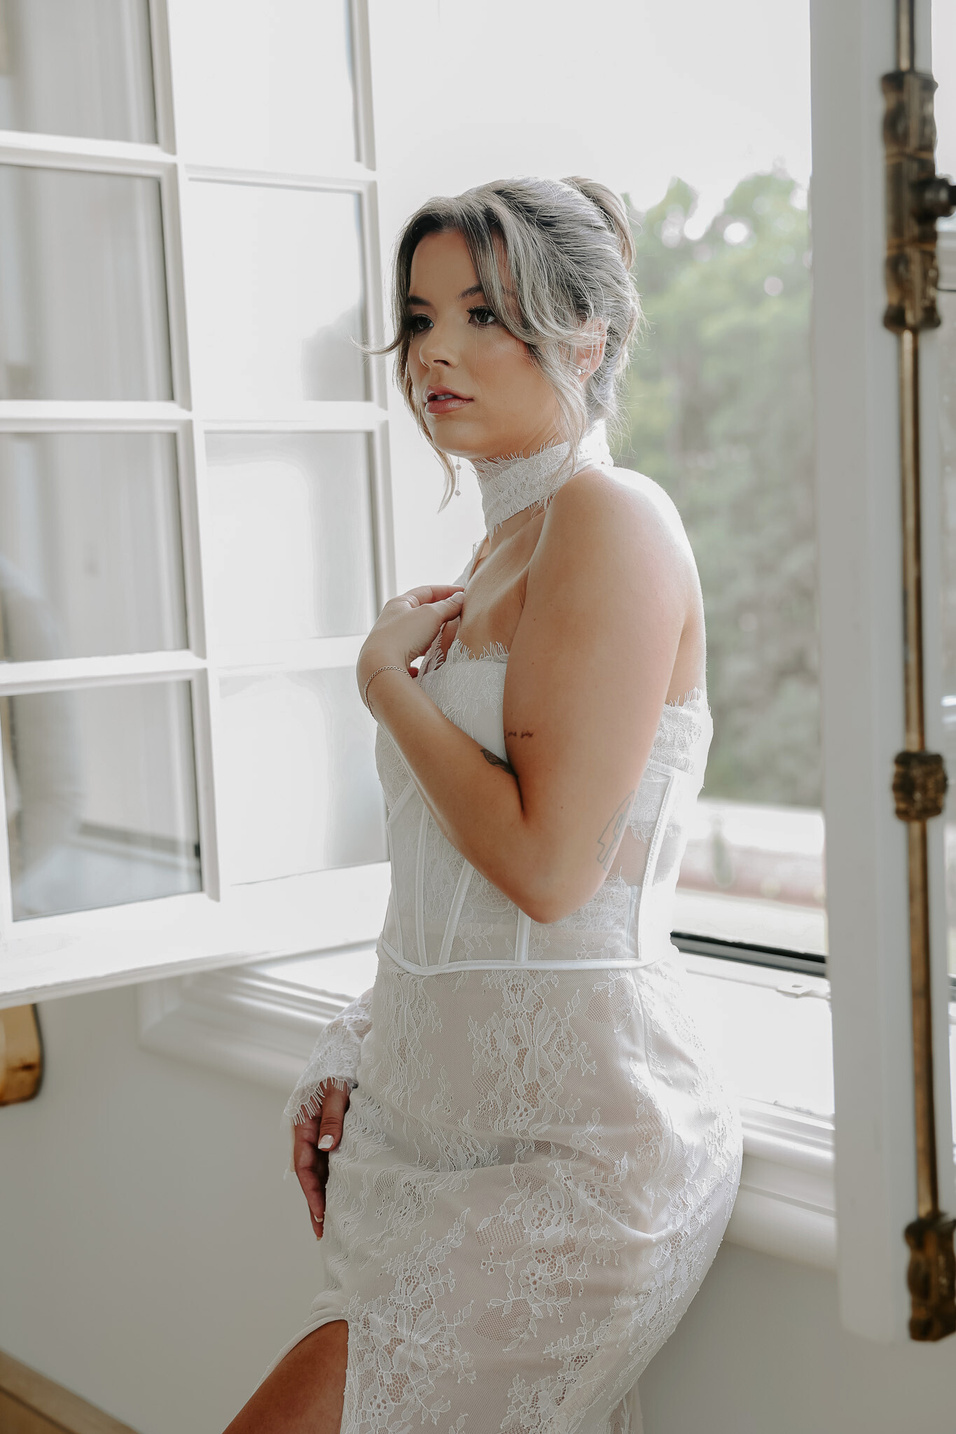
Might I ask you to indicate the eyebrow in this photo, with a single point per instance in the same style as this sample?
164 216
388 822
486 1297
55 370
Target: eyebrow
465 294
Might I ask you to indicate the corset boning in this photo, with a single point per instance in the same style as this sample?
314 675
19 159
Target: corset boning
444 915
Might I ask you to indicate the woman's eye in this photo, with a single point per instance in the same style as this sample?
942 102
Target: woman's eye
483 317
417 323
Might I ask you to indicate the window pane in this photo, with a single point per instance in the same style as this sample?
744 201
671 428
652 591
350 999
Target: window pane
77 67
278 296
90 549
717 406
299 789
291 536
101 796
82 287
282 96
720 413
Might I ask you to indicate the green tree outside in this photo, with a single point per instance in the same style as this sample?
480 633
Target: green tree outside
718 410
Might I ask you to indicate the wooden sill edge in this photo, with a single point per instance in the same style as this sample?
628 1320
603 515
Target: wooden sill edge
61 1407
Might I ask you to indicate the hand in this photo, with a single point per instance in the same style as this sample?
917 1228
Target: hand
311 1164
406 629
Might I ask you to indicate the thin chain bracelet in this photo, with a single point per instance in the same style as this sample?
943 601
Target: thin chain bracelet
389 667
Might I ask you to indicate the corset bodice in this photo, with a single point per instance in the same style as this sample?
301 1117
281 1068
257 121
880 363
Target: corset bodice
444 915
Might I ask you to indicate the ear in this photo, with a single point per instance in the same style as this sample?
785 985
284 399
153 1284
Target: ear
588 352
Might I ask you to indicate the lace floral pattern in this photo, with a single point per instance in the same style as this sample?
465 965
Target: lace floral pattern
510 484
536 1172
538 1162
334 1060
626 923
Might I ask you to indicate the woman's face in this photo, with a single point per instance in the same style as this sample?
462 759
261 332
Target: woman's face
498 401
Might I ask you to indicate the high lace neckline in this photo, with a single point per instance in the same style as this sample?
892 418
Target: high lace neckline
511 484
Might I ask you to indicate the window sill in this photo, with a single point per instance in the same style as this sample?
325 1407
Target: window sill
260 1021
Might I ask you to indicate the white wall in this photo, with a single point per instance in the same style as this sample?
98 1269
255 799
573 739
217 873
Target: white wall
153 1260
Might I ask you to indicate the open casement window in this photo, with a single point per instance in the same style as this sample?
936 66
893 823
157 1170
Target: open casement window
194 513
857 388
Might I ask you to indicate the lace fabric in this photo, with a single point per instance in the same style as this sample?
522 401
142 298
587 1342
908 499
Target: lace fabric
536 1171
511 484
627 923
539 1158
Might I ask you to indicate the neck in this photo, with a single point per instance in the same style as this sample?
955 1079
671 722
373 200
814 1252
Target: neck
517 482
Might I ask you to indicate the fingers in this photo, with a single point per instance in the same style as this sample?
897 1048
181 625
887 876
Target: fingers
447 592
334 1105
312 1141
311 1167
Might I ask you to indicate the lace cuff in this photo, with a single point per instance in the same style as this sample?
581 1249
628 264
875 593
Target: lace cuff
334 1061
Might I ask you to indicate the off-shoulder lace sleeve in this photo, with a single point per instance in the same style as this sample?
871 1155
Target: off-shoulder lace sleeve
334 1061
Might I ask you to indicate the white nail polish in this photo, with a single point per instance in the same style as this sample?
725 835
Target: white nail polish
327 1142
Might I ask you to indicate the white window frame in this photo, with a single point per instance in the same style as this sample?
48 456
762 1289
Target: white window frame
80 951
805 1175
856 391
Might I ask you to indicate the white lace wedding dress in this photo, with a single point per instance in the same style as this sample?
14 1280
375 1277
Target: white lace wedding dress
539 1160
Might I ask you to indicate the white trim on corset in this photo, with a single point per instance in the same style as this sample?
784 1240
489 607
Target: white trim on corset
654 850
591 963
458 901
420 886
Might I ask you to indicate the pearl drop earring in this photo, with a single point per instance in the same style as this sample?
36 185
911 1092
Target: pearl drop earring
457 476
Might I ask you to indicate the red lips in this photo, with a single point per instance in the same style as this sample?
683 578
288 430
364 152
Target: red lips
444 400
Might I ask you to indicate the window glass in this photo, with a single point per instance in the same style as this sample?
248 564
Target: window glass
278 297
100 794
705 127
77 67
291 554
90 546
265 86
719 411
82 286
299 790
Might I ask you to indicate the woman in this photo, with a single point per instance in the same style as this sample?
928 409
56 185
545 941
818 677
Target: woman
537 1162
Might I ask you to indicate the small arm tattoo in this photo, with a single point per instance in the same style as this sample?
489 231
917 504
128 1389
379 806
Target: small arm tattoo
612 833
515 733
496 761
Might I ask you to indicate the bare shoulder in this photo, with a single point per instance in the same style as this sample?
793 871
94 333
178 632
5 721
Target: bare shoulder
607 516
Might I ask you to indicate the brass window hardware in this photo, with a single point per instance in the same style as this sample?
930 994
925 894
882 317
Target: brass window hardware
916 196
21 1055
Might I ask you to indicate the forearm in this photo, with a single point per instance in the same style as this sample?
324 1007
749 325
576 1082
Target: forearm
475 801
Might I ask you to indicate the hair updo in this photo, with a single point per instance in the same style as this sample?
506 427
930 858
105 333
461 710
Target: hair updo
568 247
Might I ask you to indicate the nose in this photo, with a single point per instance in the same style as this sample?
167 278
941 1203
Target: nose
437 346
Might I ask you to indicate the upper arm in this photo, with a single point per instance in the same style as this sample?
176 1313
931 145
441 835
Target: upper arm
588 673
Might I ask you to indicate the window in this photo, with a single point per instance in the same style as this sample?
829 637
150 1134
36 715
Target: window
790 1151
194 515
718 407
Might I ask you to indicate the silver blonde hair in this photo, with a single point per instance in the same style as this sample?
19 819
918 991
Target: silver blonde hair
567 247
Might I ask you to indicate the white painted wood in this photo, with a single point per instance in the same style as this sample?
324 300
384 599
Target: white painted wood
348 179
82 951
362 74
52 674
44 416
856 395
48 957
110 156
